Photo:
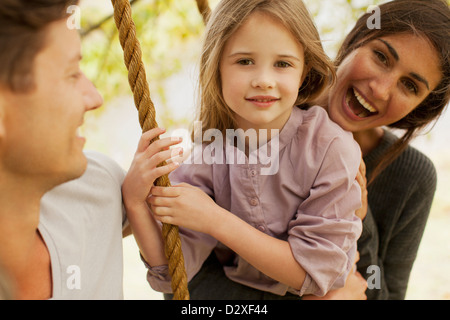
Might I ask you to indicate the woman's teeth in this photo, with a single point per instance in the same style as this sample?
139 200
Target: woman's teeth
363 102
359 105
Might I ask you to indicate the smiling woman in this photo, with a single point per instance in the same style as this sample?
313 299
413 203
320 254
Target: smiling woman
396 76
383 81
411 49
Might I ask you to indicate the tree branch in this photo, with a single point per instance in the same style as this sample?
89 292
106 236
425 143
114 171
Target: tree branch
96 26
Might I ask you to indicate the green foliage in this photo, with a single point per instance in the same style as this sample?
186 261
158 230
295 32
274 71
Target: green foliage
169 32
166 30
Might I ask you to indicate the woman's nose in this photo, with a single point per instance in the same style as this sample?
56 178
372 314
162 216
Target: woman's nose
382 86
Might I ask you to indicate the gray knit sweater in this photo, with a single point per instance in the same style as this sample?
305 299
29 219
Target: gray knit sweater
399 204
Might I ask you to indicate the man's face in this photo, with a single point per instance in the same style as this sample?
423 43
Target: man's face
40 137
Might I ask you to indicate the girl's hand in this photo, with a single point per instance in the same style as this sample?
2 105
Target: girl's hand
144 169
183 205
362 180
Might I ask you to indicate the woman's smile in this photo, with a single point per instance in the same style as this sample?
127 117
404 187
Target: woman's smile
358 105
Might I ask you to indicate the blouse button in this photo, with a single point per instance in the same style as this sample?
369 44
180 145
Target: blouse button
254 201
262 228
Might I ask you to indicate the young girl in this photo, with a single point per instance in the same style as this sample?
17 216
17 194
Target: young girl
288 232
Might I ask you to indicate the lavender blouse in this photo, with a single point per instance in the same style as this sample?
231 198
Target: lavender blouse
304 193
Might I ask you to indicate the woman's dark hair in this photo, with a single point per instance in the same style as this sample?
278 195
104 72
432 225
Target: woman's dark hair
429 19
22 36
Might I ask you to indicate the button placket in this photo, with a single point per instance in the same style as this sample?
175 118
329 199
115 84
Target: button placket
254 202
253 199
261 228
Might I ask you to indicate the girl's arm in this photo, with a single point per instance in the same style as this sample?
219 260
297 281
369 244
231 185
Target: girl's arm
189 207
136 187
355 285
270 255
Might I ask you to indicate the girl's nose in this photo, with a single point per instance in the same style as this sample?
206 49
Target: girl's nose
263 79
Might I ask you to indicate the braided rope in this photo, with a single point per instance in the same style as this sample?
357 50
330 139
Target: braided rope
141 93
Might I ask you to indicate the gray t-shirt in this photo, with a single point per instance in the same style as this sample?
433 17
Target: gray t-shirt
81 223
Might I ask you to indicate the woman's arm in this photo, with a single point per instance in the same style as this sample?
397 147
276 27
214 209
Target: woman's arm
399 204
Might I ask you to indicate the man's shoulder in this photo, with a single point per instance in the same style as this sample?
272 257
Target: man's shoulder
101 180
99 163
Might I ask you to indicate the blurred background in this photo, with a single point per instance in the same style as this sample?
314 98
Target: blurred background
170 33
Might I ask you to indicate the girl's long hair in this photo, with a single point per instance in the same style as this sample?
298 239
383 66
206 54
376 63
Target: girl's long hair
226 18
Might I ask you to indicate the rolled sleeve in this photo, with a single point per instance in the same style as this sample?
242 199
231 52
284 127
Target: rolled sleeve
324 232
158 277
196 248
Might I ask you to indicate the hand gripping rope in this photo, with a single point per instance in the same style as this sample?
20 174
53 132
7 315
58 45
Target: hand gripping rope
141 93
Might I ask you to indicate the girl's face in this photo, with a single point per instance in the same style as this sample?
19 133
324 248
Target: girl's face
261 72
382 81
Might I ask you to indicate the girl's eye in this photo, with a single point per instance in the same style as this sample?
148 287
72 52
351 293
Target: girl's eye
410 86
381 57
245 62
282 64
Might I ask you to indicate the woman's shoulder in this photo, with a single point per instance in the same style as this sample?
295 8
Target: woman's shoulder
411 166
418 164
411 156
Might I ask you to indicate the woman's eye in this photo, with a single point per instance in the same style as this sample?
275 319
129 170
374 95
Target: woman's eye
282 64
410 86
381 57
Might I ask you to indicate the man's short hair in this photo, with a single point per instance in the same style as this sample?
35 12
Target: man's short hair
22 37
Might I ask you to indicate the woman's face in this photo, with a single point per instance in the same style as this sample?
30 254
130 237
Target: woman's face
382 81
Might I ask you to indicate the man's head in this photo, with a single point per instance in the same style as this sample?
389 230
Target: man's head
43 93
23 34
